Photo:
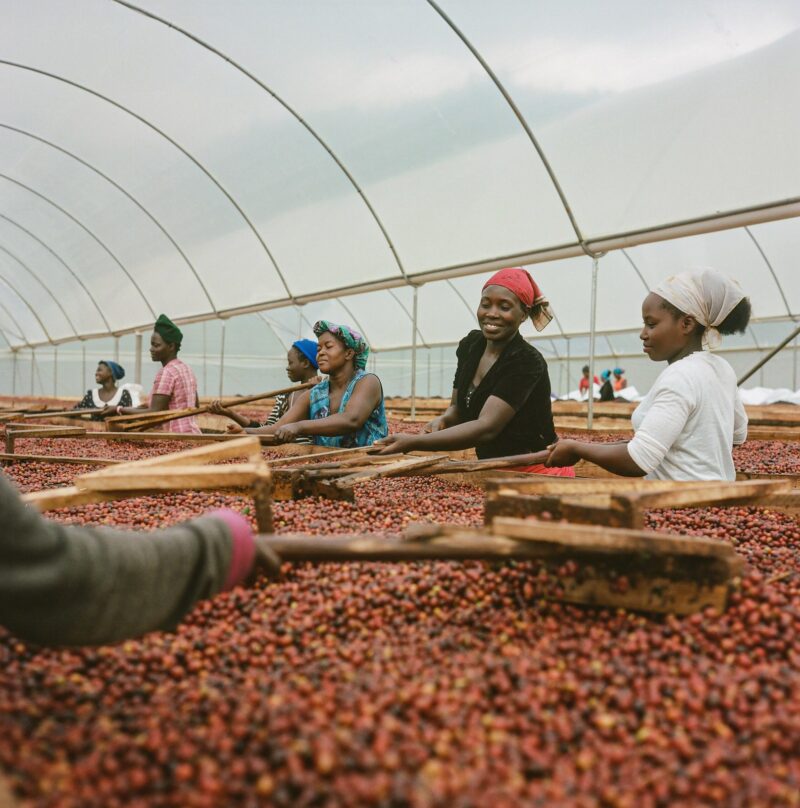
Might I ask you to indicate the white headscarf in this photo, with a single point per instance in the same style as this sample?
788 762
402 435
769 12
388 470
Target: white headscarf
705 294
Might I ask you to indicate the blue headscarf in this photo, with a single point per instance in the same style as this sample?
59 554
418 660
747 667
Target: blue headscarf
605 375
307 347
117 371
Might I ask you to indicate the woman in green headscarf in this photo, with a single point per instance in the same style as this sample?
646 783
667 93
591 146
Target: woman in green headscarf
175 385
344 410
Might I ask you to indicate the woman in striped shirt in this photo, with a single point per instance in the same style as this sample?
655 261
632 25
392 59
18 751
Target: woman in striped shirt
301 367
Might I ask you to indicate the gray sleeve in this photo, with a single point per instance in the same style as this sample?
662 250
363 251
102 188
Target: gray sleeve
63 585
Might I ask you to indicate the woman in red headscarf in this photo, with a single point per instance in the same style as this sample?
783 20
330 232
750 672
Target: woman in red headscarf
501 392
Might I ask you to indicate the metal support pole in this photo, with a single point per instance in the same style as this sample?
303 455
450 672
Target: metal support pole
592 328
761 362
33 367
205 362
794 367
222 358
116 348
429 373
569 369
55 372
83 362
14 373
414 355
137 373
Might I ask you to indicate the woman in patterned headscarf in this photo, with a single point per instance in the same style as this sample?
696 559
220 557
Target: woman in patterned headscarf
344 410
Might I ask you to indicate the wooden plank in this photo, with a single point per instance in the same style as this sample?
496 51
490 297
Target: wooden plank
67 497
542 484
593 509
247 447
34 416
601 539
27 431
87 461
262 500
624 504
7 799
794 479
698 494
788 503
172 478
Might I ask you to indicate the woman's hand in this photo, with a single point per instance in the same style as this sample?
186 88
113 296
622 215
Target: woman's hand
286 433
234 429
107 412
436 424
216 407
396 443
563 453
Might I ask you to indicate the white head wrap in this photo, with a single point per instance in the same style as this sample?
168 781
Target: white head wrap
705 294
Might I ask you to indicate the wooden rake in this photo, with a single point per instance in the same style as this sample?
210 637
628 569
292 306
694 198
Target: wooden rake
136 421
589 565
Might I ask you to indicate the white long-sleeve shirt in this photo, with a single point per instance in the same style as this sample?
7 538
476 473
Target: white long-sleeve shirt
687 424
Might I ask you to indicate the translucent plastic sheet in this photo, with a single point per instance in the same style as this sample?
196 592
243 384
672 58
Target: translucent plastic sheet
201 158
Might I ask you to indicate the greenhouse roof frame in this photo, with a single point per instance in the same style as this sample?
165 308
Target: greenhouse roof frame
66 66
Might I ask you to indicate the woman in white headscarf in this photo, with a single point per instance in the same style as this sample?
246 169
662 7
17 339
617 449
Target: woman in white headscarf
686 426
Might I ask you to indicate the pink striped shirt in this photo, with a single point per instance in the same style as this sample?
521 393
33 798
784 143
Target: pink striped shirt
177 381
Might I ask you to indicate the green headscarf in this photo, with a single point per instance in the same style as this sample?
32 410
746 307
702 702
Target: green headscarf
168 330
351 338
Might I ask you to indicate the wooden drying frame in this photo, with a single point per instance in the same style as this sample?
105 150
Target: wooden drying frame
179 471
623 502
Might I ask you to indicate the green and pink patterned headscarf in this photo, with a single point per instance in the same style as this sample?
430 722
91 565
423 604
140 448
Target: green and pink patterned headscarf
351 338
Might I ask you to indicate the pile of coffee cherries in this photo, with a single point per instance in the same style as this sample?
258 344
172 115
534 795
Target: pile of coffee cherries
437 684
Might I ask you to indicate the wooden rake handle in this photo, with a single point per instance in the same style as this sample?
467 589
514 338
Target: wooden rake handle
145 420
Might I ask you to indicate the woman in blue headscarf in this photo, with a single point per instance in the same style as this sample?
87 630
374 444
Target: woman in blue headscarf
606 388
301 367
344 410
107 375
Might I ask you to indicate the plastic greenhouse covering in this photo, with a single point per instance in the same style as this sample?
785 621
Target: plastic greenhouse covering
251 166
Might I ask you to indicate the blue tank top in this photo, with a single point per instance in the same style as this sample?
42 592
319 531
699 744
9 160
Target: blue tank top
374 429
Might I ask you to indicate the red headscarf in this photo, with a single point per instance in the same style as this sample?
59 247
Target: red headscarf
520 282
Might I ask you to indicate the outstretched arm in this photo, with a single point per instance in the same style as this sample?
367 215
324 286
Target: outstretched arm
613 457
63 585
493 418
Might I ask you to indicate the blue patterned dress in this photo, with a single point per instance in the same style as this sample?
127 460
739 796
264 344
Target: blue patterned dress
374 429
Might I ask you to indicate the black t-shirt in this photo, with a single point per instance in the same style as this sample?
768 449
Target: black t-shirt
519 377
607 391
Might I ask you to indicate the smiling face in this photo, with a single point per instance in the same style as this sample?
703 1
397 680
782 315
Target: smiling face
103 373
665 336
161 351
500 313
296 365
332 354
